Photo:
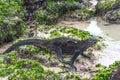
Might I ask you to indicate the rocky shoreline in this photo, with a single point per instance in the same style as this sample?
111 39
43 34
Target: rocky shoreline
50 12
109 10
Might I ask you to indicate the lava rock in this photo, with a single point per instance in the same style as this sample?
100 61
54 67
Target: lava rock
115 74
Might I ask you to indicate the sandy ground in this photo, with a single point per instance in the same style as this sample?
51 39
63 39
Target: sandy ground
4 46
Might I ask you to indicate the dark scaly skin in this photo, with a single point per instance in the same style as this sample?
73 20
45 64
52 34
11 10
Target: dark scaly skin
61 45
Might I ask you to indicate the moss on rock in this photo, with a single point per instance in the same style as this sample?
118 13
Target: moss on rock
11 23
104 73
79 15
103 6
109 10
53 10
113 14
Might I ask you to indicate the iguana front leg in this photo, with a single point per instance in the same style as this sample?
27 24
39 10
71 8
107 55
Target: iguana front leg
88 56
74 57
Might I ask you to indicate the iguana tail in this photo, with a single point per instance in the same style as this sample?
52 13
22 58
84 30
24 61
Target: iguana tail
35 42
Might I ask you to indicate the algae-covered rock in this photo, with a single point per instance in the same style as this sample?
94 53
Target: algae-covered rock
115 74
53 10
103 5
113 14
11 23
80 15
105 72
109 10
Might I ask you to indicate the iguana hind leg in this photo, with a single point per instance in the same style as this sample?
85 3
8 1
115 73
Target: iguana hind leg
59 56
71 62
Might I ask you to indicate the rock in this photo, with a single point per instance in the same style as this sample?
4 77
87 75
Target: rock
79 15
103 6
109 10
115 74
113 14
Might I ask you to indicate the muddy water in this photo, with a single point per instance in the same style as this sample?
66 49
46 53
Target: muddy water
111 30
110 34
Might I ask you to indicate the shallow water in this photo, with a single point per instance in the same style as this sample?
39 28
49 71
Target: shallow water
111 30
111 36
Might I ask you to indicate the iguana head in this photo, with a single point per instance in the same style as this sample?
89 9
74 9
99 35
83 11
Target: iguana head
88 43
91 41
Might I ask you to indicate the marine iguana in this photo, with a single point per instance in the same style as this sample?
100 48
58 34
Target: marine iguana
60 45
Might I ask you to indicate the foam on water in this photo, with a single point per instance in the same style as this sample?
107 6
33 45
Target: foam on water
94 29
